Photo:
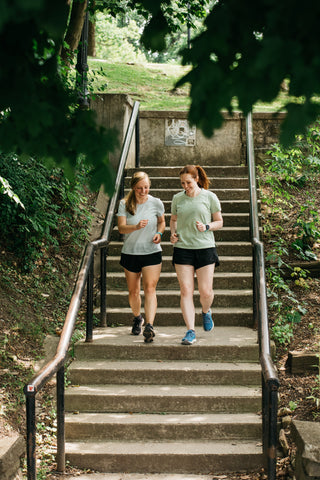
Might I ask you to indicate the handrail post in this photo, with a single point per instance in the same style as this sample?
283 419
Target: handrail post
272 433
265 422
61 458
122 187
31 434
89 332
103 287
137 130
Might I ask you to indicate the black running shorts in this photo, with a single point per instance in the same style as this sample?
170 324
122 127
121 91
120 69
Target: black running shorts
196 257
135 263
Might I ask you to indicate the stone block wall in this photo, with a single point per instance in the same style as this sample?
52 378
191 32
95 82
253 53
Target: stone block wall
307 438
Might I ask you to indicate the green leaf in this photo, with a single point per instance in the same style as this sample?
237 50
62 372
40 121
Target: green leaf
153 37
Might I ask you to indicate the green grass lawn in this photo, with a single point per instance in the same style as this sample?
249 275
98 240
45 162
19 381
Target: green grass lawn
151 84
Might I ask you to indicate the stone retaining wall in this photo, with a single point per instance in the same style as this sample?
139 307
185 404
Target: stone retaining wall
307 438
12 448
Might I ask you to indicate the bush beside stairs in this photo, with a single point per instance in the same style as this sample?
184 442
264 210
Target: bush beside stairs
165 407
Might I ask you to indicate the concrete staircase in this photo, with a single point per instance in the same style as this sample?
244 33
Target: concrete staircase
166 407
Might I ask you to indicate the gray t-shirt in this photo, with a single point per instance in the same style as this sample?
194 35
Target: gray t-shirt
189 210
140 242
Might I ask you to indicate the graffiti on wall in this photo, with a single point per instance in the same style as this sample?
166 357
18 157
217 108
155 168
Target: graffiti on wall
179 133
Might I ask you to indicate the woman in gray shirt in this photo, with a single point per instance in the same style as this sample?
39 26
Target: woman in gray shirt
141 220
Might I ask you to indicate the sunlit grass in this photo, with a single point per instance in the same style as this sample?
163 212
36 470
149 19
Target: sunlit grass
152 84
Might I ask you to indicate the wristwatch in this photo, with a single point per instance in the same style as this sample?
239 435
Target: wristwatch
207 227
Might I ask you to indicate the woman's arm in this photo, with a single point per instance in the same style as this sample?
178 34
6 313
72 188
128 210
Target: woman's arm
216 224
173 229
161 225
124 228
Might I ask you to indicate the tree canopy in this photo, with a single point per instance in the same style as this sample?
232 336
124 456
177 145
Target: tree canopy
39 114
245 52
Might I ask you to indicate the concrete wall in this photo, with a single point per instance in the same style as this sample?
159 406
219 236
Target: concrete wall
226 147
166 135
223 148
113 111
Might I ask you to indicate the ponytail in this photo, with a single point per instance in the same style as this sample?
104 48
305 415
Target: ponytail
197 172
130 199
203 181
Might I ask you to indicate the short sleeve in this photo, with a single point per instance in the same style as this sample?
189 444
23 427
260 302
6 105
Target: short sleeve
174 206
122 209
215 205
160 208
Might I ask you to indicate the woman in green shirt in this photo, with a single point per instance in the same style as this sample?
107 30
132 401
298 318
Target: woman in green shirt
195 215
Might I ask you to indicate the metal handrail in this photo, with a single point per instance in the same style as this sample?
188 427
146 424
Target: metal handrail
84 278
270 381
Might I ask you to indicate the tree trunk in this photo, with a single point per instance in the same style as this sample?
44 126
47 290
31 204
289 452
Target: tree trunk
74 30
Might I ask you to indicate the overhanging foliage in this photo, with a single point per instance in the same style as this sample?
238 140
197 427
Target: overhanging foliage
246 51
39 115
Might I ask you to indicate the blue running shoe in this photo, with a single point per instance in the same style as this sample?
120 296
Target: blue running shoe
207 321
189 338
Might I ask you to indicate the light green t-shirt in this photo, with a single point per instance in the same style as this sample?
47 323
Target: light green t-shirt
140 242
189 210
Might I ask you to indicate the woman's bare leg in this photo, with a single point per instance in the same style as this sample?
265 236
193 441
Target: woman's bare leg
185 274
205 281
133 282
150 278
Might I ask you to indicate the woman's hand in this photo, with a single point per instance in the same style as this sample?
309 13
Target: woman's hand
141 224
174 237
156 238
201 226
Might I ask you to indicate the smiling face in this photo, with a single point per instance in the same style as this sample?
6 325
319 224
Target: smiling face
141 190
189 184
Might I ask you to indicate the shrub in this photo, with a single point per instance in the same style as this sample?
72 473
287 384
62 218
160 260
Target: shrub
49 201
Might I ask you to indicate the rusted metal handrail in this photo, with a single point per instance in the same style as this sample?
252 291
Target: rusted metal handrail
270 381
84 278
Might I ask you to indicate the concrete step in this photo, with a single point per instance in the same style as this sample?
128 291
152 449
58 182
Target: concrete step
231 249
171 457
212 171
163 398
225 280
138 476
216 183
229 219
171 298
228 317
227 206
153 427
160 373
228 264
223 344
222 193
233 234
